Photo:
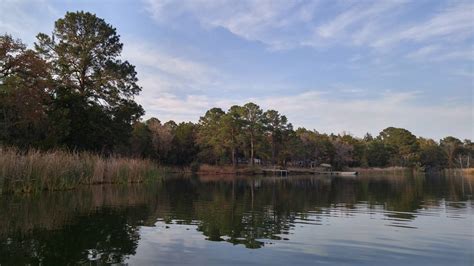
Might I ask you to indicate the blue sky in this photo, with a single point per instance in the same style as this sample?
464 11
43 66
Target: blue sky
333 66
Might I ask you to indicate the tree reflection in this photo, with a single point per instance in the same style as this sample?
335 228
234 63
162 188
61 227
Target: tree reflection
102 223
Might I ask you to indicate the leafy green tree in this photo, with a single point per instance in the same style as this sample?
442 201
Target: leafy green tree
296 151
252 116
209 139
303 147
232 131
378 154
325 150
453 148
184 147
315 148
402 143
171 125
95 88
276 129
432 156
140 140
161 138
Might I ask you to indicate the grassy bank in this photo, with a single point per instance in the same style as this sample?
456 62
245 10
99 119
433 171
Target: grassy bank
59 170
207 169
394 170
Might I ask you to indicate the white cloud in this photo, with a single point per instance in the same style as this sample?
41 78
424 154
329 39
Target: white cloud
423 52
378 25
372 115
356 15
316 110
437 53
454 23
17 19
268 21
172 87
167 106
168 72
467 54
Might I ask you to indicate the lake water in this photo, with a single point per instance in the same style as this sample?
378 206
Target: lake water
391 220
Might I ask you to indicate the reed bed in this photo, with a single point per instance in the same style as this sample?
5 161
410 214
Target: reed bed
60 170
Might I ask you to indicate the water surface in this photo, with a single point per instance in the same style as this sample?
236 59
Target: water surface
393 220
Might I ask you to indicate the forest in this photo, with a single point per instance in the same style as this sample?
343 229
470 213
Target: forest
73 91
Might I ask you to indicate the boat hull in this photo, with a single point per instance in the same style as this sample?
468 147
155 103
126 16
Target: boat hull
339 173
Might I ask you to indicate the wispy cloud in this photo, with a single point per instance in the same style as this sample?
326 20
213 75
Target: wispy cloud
359 15
268 21
423 52
17 19
172 87
359 116
160 71
453 23
379 25
438 53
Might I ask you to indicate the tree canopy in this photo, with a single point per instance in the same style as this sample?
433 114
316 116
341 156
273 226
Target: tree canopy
93 88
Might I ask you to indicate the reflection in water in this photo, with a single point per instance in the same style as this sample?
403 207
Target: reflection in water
315 216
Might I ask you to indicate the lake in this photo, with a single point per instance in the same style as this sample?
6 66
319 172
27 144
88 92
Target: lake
298 220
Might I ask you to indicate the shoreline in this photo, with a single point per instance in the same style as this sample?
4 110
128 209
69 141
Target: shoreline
249 170
35 171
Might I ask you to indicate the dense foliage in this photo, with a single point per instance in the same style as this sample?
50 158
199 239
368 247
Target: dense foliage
75 91
231 138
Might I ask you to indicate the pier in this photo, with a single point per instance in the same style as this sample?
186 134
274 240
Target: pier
275 171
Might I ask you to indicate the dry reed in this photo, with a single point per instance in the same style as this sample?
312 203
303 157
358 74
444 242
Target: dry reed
58 170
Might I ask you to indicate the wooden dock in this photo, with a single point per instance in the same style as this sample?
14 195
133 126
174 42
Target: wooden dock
274 171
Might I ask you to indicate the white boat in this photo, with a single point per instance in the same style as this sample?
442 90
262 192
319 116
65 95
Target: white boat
338 173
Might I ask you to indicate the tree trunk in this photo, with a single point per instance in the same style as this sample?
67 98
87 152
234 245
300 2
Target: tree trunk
234 163
251 150
273 150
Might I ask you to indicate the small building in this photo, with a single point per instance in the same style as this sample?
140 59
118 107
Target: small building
326 167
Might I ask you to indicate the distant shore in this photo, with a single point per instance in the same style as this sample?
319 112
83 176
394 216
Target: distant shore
33 171
257 170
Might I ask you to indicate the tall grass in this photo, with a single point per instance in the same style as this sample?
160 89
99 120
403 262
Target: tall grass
59 170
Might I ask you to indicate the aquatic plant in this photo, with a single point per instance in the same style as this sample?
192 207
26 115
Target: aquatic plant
33 170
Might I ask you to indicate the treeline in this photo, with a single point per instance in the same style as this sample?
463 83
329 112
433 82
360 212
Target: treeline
74 91
249 135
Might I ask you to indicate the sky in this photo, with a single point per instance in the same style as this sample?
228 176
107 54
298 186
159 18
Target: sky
333 66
